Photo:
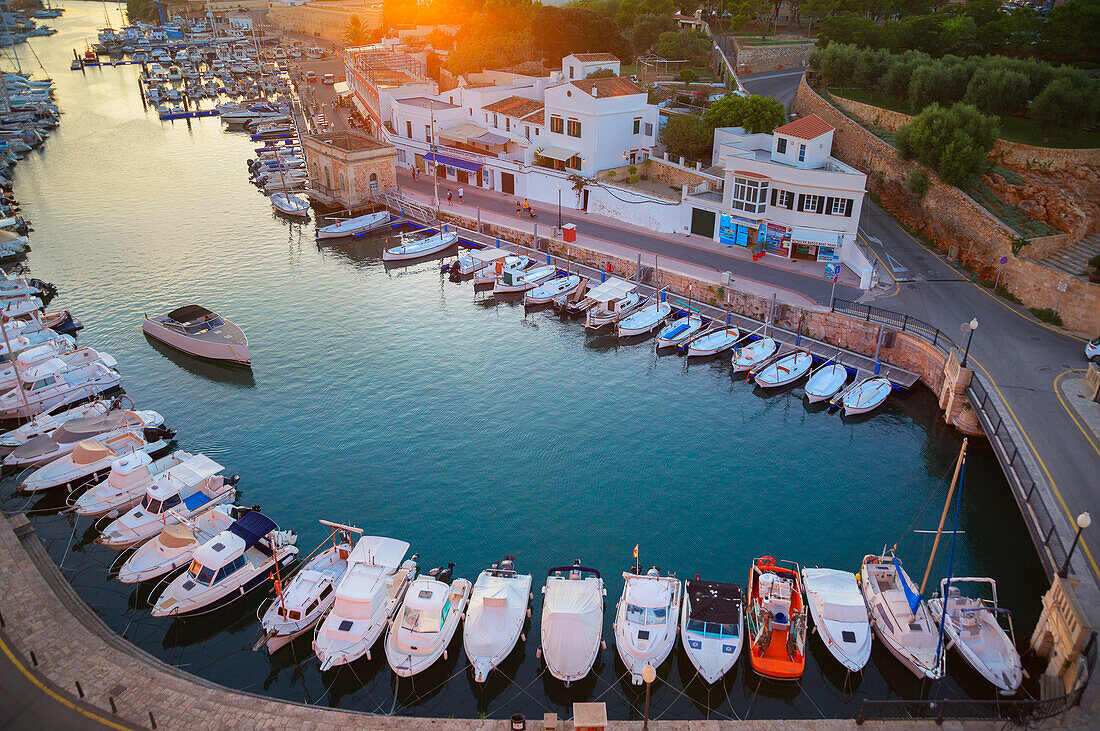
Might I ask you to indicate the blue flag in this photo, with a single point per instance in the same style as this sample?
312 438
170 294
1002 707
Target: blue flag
913 597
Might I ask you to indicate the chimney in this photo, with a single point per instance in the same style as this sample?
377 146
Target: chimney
595 91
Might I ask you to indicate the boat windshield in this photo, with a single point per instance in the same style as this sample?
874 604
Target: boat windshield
713 629
201 327
35 385
422 620
201 574
646 615
156 507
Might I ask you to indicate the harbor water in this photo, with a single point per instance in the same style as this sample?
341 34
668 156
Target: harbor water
395 400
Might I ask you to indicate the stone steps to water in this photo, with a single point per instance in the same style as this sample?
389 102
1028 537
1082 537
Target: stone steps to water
1074 259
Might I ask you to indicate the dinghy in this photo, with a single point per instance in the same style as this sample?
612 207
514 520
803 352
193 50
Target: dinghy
839 614
785 370
200 332
713 341
866 395
746 357
48 422
547 291
290 205
510 281
494 620
572 621
93 456
644 320
422 247
46 448
776 620
900 618
476 260
973 627
174 546
355 226
711 627
127 482
229 566
645 620
680 331
427 621
826 382
366 598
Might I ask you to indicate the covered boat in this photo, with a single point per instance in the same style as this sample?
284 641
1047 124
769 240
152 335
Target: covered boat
489 275
476 260
94 456
826 382
60 381
511 281
784 370
572 621
494 620
776 620
840 615
973 626
899 616
711 626
421 247
197 331
49 421
427 621
611 301
645 620
175 544
644 320
48 447
355 226
867 395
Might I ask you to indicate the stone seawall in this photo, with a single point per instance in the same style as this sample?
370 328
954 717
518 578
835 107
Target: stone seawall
756 59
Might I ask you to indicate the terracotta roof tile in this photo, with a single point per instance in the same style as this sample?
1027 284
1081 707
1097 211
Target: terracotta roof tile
515 106
805 128
538 117
610 86
586 57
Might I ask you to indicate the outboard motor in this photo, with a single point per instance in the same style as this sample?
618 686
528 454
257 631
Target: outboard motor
232 481
445 574
155 433
508 565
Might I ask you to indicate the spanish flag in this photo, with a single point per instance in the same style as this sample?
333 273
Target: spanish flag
635 550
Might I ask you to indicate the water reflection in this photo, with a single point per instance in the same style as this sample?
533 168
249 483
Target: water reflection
233 375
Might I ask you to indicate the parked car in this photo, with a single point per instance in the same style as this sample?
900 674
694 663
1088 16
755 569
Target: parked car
1092 350
329 78
311 76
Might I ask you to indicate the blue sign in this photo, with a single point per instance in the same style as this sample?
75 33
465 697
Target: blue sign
832 271
1004 259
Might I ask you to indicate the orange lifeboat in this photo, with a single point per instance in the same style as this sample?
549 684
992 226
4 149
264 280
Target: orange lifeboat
776 619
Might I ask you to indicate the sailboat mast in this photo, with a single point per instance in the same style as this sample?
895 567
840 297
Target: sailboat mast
943 516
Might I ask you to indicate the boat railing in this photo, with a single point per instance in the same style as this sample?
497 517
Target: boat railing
905 323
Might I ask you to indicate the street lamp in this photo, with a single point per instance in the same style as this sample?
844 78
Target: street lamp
973 325
559 208
1084 520
648 675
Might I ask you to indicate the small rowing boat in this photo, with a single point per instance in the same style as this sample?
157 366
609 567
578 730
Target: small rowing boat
422 247
826 382
713 342
510 281
354 226
644 320
680 331
866 395
758 351
547 291
785 370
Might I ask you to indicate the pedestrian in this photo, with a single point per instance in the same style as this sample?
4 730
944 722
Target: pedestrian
450 197
519 210
460 194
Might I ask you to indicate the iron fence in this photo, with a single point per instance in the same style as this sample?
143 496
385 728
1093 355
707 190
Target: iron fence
905 323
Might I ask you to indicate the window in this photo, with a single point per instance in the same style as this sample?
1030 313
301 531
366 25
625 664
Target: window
495 121
428 133
556 125
837 207
574 162
784 199
527 131
637 125
648 129
781 146
201 574
571 72
749 195
507 125
374 182
802 153
810 203
408 129
574 128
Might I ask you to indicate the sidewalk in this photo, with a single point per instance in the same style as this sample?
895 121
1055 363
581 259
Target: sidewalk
1076 395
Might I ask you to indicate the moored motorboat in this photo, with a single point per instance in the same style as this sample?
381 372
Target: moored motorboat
645 620
547 291
712 342
197 331
420 248
840 615
475 260
611 301
867 395
826 382
511 281
129 478
899 617
644 320
488 275
973 627
49 421
426 622
680 331
58 382
93 456
776 620
174 546
572 621
354 226
711 626
494 620
746 357
290 205
784 370
48 447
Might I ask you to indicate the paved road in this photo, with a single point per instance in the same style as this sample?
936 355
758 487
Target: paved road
780 84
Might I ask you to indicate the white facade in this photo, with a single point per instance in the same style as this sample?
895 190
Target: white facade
577 66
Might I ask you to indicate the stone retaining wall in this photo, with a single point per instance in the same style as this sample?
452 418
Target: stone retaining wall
756 59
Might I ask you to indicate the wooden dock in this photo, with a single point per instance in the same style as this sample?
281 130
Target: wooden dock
192 114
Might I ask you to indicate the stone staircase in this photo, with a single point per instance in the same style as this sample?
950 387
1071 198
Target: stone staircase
1074 259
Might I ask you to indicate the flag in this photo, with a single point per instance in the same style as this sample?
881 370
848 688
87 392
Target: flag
635 550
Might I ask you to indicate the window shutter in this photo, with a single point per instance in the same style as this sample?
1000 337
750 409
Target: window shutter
829 205
774 194
801 200
848 207
820 204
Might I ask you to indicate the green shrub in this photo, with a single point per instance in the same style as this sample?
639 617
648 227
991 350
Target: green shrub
918 183
1066 106
1046 315
1002 291
955 142
1094 262
1011 176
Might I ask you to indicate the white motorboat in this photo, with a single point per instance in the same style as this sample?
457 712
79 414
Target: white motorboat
181 492
197 331
366 598
680 331
421 247
867 395
899 616
228 567
63 440
93 456
297 608
746 357
611 301
494 620
711 626
973 627
839 614
572 621
427 621
28 340
489 275
355 226
784 370
175 545
290 205
49 421
40 354
476 260
548 290
644 320
125 485
714 341
511 281
826 382
645 620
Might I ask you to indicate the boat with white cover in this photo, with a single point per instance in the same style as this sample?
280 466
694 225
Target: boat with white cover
181 492
712 626
611 301
572 621
646 618
679 331
547 291
49 421
644 320
421 247
867 395
476 260
899 616
290 205
175 545
714 341
494 620
48 447
839 614
93 456
298 607
229 566
746 357
366 598
826 382
129 478
197 331
784 370
973 627
511 281
427 621
354 226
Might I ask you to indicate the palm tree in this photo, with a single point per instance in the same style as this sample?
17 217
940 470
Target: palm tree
355 33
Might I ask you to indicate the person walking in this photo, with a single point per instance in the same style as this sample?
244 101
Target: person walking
460 191
450 197
519 210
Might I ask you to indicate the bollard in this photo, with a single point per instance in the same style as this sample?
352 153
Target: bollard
114 708
79 690
498 242
519 723
152 721
878 366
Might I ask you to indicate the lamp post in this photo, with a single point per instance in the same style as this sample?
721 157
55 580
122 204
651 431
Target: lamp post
648 675
1084 520
559 208
973 325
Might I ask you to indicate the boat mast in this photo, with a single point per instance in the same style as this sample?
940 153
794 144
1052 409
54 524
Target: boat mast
14 365
943 516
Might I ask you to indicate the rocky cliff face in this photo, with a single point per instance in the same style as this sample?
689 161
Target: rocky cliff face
1066 200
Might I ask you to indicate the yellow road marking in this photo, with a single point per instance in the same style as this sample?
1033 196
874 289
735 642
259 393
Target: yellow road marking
1034 451
888 270
1072 415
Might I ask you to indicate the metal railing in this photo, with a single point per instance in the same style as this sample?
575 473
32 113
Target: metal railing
1024 712
905 323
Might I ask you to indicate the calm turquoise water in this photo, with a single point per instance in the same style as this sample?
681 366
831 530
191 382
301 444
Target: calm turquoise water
398 401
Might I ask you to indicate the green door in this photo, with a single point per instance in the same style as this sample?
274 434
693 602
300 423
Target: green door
702 222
